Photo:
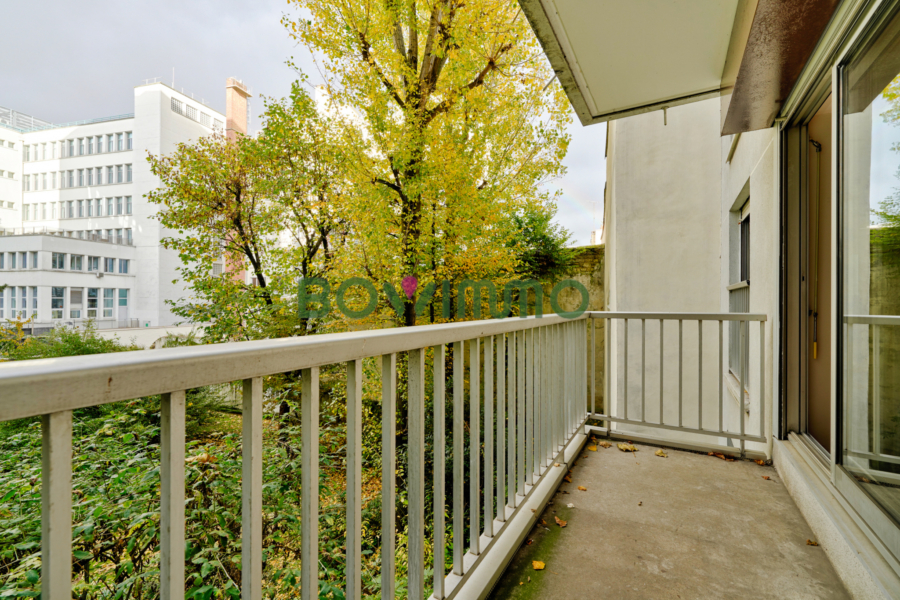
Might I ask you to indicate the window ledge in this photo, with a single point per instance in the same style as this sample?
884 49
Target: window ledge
739 285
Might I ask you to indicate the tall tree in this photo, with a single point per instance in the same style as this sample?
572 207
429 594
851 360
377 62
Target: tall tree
270 205
462 125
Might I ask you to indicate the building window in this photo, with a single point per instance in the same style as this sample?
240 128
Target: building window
120 142
119 205
217 126
129 140
177 106
44 181
71 148
34 260
123 266
191 113
27 153
81 147
128 173
2 260
99 144
76 262
76 297
110 145
71 209
27 211
80 177
109 175
205 119
57 302
127 205
12 260
90 207
53 179
59 260
44 211
118 236
123 297
128 236
93 263
2 299
90 145
27 181
71 179
109 207
119 174
108 301
34 302
92 302
81 208
98 175
109 265
89 175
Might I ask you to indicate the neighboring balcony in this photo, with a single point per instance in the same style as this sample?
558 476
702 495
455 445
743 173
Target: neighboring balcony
529 394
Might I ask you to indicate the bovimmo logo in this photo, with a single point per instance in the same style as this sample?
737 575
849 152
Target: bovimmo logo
314 297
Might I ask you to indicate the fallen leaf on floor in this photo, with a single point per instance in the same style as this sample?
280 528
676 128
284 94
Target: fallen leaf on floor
570 505
560 522
585 456
568 478
592 448
557 465
811 543
766 477
662 453
534 510
626 447
722 456
565 492
529 580
582 488
521 583
543 522
538 565
760 462
640 503
529 542
605 444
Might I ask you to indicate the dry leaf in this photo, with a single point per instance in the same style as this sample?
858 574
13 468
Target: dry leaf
582 488
626 447
521 583
760 462
811 543
568 478
560 522
766 477
570 505
534 510
592 448
722 456
660 452
543 522
640 503
556 465
529 580
605 444
538 565
529 542
201 458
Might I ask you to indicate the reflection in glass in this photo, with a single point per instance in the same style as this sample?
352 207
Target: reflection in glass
871 268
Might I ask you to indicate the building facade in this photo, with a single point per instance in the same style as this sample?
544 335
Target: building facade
78 240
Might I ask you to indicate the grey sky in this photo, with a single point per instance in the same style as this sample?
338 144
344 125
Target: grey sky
80 60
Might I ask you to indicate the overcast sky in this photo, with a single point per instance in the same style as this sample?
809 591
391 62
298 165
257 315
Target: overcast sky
67 61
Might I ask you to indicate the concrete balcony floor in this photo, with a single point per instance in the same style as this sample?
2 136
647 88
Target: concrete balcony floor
686 526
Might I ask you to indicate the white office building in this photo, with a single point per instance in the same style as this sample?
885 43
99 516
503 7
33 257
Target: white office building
78 239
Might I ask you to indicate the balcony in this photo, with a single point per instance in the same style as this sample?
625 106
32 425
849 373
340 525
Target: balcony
528 393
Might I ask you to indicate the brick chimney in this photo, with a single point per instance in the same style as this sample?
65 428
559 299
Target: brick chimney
236 94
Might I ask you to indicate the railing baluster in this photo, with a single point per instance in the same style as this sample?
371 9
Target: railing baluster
459 542
529 420
762 378
501 427
607 366
700 375
439 465
354 480
593 367
520 429
876 392
474 445
721 375
680 370
388 474
171 500
741 384
251 497
416 454
661 364
489 436
626 368
309 512
538 403
643 369
511 423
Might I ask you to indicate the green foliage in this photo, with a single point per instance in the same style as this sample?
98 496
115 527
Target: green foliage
541 245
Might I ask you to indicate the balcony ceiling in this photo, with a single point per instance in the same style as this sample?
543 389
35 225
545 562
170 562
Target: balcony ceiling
617 58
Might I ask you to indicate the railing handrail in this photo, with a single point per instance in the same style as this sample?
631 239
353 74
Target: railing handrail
687 316
57 384
872 320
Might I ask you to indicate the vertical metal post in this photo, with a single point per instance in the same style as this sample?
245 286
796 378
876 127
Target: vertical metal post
876 391
459 542
762 378
700 375
721 375
643 370
489 436
593 327
309 511
354 480
171 514
520 429
661 369
529 416
511 423
538 404
439 466
416 453
501 427
680 370
251 497
474 445
388 474
741 385
626 369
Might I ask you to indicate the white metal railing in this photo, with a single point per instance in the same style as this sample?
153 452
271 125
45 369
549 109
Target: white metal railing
529 374
864 406
674 390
